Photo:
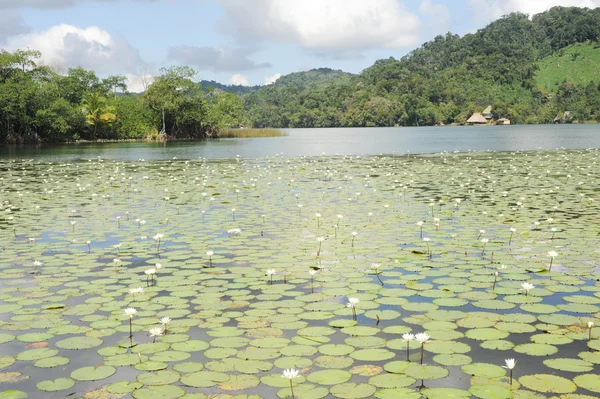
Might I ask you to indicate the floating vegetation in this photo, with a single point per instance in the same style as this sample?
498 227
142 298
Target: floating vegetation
250 133
436 276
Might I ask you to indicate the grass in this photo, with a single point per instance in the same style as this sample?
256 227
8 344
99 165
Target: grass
579 63
250 133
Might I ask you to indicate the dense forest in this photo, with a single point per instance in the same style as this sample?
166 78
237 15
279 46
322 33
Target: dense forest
442 82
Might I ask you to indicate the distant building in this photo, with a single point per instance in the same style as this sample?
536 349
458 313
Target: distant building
503 121
487 113
477 119
564 118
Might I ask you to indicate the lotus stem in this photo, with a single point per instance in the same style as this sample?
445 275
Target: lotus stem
422 351
292 388
408 351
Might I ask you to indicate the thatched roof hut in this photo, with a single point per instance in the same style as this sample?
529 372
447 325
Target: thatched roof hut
477 119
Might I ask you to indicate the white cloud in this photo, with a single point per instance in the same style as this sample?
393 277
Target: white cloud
138 83
216 58
493 9
90 48
334 27
272 79
239 80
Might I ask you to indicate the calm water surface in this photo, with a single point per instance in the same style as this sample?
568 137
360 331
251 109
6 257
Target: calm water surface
354 141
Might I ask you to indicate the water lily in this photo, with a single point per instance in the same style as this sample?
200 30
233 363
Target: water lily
290 374
553 230
495 280
422 338
407 337
134 291
155 332
37 264
420 224
527 287
484 241
164 321
89 243
312 273
354 234
150 273
352 302
210 254
510 365
157 238
130 312
270 273
320 241
552 255
376 267
426 240
339 217
590 326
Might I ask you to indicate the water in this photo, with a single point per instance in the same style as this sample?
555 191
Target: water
354 141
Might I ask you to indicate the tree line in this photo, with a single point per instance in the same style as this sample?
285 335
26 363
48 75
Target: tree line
38 104
442 82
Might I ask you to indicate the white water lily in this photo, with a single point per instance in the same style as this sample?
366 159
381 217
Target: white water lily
527 287
130 312
290 374
352 302
510 364
422 337
165 320
312 272
408 337
210 253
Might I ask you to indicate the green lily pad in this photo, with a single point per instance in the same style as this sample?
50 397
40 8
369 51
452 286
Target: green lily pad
59 384
93 373
548 383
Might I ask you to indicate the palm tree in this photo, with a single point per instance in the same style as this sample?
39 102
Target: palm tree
97 112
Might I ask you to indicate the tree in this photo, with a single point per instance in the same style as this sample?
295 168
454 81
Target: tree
97 112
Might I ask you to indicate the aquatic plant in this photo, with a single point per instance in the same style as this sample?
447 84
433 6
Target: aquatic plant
510 365
290 374
422 338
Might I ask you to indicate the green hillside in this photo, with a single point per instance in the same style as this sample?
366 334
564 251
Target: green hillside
579 63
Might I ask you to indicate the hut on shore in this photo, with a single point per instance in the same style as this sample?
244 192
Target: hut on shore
477 119
503 121
487 113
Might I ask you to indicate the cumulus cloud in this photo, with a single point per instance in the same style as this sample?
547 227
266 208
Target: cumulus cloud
272 79
239 80
496 8
216 59
11 24
335 27
90 48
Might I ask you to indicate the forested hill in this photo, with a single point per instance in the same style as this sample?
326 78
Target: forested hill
450 77
529 70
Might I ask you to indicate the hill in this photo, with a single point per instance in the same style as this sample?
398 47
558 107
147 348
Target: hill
578 63
451 77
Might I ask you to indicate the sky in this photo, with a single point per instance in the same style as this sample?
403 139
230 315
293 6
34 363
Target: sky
247 42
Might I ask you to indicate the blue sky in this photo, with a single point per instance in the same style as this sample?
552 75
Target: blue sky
239 41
